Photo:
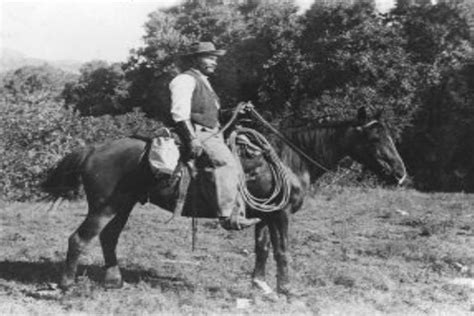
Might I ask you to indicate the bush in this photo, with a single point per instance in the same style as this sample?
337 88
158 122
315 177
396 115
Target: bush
355 57
36 136
438 43
100 89
33 84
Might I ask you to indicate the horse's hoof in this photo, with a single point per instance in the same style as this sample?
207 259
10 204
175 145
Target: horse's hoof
264 291
66 283
113 278
262 286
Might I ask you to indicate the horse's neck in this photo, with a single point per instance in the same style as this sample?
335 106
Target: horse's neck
326 145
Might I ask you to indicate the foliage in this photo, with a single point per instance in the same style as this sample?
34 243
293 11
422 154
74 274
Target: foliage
35 136
278 28
437 40
433 33
167 34
359 61
441 140
100 89
150 68
32 84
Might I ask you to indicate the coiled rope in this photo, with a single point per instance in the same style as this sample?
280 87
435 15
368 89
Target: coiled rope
280 195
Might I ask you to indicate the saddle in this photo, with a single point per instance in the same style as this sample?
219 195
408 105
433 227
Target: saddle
175 183
183 192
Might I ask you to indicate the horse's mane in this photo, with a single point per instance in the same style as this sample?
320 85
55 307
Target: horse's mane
294 124
316 137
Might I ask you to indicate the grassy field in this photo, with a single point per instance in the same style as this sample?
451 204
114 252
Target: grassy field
353 252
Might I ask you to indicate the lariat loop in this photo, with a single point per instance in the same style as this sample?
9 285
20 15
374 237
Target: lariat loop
279 197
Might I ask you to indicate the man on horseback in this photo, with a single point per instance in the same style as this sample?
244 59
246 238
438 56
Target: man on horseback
195 109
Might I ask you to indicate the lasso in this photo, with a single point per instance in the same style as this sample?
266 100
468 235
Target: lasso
280 196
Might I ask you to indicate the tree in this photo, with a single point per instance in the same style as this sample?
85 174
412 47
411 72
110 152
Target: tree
352 57
433 32
438 43
167 34
277 29
101 89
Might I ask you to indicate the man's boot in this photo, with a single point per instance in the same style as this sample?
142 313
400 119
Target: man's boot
241 223
237 221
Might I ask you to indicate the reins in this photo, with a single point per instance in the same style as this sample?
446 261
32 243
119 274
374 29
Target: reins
256 115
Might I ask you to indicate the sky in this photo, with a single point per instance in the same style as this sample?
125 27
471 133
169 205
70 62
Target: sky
78 30
73 29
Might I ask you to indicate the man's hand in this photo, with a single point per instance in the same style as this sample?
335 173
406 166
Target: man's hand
246 107
196 148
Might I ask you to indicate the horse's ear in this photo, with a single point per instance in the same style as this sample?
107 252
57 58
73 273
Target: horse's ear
362 115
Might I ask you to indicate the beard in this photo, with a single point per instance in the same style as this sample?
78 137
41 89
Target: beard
208 71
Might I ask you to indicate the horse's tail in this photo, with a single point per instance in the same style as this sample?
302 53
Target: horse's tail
64 180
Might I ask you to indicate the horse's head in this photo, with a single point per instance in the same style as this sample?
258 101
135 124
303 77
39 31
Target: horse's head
370 144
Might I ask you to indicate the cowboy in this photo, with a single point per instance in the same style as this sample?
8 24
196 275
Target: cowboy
195 109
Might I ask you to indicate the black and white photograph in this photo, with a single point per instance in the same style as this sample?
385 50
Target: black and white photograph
237 157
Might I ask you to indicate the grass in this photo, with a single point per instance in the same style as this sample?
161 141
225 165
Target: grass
353 252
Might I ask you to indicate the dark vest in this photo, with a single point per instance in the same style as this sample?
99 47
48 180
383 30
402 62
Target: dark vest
203 103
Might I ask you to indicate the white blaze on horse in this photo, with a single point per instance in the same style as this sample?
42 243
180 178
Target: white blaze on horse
116 176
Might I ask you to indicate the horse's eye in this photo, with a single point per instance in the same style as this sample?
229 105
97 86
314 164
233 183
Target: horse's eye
373 136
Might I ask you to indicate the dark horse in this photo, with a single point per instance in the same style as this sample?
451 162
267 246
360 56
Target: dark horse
114 180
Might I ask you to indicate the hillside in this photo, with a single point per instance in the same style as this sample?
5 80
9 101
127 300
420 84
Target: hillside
11 59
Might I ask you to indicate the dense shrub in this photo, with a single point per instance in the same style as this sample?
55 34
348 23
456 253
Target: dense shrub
442 139
35 136
354 57
33 84
100 89
437 38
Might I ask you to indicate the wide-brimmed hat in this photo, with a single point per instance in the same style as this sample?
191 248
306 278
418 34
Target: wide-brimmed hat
199 48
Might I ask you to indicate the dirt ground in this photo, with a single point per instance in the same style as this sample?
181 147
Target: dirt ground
353 252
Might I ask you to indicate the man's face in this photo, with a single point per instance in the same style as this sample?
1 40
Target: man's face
206 64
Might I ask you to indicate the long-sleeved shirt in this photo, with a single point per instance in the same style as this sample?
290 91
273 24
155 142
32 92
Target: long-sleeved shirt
182 88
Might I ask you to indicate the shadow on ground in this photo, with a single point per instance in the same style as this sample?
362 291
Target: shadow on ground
50 272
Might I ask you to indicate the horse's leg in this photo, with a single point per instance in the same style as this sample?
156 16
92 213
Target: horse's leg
298 190
262 249
80 239
278 224
109 238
